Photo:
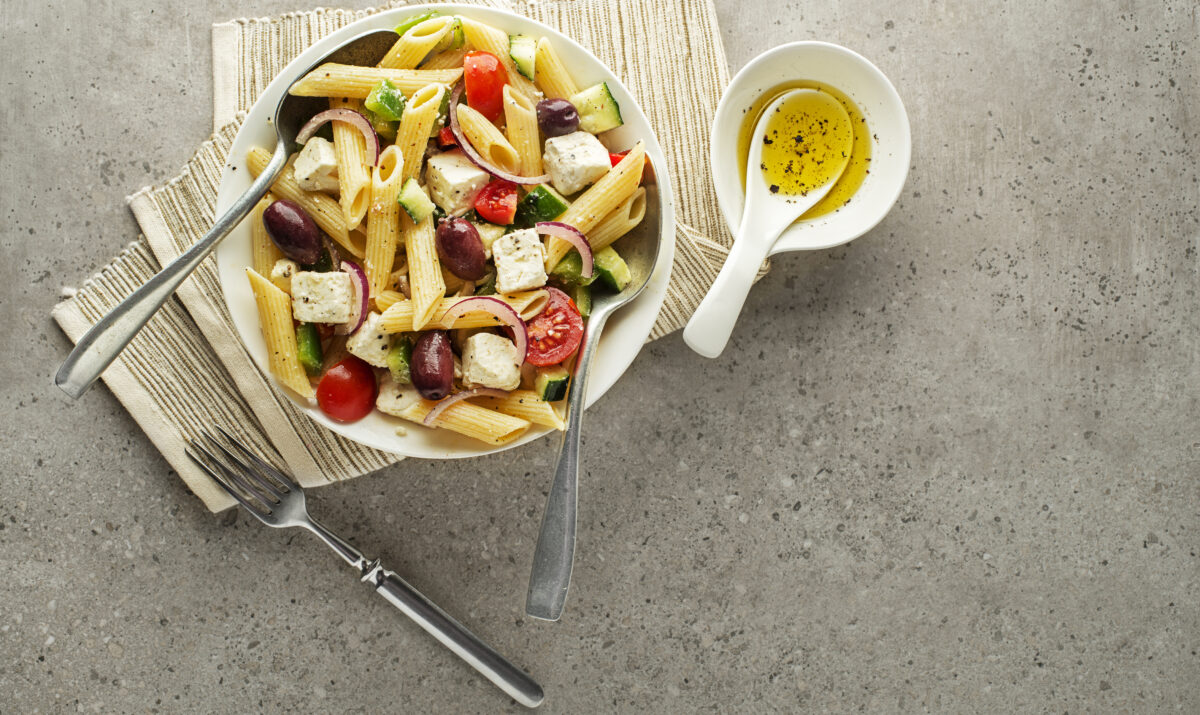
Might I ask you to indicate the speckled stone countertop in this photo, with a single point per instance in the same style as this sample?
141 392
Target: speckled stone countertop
951 466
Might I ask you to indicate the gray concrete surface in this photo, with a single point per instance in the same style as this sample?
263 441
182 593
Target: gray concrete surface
950 467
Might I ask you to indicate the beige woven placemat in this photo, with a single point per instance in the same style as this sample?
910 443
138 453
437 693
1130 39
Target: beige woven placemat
175 382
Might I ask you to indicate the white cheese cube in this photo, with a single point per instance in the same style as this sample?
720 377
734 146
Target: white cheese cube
282 272
316 166
395 398
491 361
453 181
574 161
321 297
520 261
370 343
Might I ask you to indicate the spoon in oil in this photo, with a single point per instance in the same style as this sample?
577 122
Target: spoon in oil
800 148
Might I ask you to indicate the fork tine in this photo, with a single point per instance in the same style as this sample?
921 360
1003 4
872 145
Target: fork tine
233 476
191 450
283 478
249 471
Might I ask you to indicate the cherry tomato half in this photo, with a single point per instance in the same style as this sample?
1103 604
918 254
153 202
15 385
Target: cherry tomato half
616 157
347 390
485 79
497 202
446 138
555 333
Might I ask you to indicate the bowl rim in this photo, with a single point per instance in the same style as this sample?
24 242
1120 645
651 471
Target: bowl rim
719 139
625 333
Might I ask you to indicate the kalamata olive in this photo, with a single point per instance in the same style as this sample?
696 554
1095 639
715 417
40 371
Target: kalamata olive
557 117
461 249
293 231
432 365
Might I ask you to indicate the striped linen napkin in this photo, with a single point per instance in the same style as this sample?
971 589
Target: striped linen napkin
188 369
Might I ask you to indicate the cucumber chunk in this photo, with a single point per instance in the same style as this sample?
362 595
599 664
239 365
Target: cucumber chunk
598 111
551 383
523 51
611 269
308 344
569 271
542 203
415 201
399 360
582 295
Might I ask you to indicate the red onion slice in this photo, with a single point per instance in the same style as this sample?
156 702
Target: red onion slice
343 115
505 312
359 301
457 397
475 156
573 236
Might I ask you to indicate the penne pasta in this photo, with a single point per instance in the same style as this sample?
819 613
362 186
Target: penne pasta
489 39
383 220
275 317
398 316
471 420
354 178
528 406
263 251
445 60
552 76
415 126
488 140
424 271
323 209
387 298
521 125
599 200
335 80
619 221
413 45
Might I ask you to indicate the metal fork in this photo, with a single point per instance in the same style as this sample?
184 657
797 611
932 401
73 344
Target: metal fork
277 501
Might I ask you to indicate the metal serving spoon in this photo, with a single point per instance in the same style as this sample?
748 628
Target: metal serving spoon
555 553
764 218
107 338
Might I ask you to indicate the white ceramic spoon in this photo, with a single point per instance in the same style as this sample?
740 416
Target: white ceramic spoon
764 218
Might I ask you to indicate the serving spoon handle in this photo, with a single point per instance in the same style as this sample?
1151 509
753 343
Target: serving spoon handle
554 556
96 350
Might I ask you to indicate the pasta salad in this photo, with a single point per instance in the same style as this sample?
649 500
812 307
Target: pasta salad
431 249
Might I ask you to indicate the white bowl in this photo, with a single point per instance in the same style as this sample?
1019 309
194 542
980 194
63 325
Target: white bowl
625 332
860 80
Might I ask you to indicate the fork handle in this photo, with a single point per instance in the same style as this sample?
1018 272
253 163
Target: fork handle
454 635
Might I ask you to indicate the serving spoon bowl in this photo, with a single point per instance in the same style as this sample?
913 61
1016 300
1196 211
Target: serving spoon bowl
768 210
107 338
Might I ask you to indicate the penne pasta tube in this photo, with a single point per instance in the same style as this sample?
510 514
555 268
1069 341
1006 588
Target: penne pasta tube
619 221
416 123
528 406
413 45
383 220
552 76
487 139
448 59
599 200
520 118
350 81
398 316
263 251
275 317
354 178
323 209
471 420
424 270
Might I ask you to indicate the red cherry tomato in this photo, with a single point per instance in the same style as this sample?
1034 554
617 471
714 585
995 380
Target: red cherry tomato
616 158
497 202
446 138
555 333
347 390
485 79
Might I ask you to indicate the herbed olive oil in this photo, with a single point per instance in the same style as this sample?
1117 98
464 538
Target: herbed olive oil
860 152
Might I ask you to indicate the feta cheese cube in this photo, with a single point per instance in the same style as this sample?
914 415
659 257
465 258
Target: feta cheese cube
395 398
520 261
491 361
282 272
574 161
316 166
321 297
370 343
453 181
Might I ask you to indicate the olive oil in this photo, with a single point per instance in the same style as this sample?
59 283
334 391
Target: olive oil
860 154
806 144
